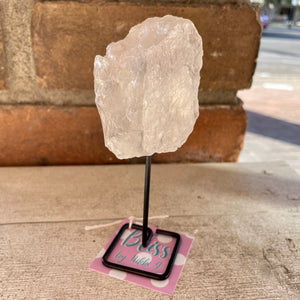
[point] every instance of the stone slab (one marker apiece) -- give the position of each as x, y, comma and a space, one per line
66, 193
232, 257
43, 135
66, 36
246, 229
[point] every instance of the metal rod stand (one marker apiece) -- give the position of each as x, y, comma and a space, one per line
146, 200
147, 235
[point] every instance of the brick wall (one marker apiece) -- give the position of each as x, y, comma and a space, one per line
47, 49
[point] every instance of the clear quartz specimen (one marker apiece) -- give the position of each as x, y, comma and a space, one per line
146, 87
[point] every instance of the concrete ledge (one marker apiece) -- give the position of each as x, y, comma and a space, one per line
50, 135
244, 217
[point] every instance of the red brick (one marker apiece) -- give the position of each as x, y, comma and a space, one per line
218, 136
66, 36
41, 135
48, 135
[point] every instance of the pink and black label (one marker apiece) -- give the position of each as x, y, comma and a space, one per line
129, 252
154, 258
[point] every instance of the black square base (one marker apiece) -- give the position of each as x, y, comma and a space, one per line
157, 276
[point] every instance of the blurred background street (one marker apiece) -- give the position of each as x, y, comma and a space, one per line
279, 59
273, 102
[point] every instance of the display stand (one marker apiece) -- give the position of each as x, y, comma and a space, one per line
147, 235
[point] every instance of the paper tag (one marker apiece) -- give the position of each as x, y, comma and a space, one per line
154, 258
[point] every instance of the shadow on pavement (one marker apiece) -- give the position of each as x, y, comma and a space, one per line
280, 35
283, 53
283, 35
273, 128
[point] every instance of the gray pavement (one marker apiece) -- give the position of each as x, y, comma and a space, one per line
273, 102
279, 59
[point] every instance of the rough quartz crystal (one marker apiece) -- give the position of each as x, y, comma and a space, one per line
146, 87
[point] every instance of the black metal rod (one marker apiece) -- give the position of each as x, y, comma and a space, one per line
146, 199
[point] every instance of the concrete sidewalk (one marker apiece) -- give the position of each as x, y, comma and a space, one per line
273, 132
244, 217
273, 102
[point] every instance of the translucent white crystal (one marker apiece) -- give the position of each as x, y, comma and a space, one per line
147, 87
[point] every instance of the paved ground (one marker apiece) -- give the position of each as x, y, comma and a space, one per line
279, 59
244, 217
273, 102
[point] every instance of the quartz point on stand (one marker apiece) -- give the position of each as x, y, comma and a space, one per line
146, 87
